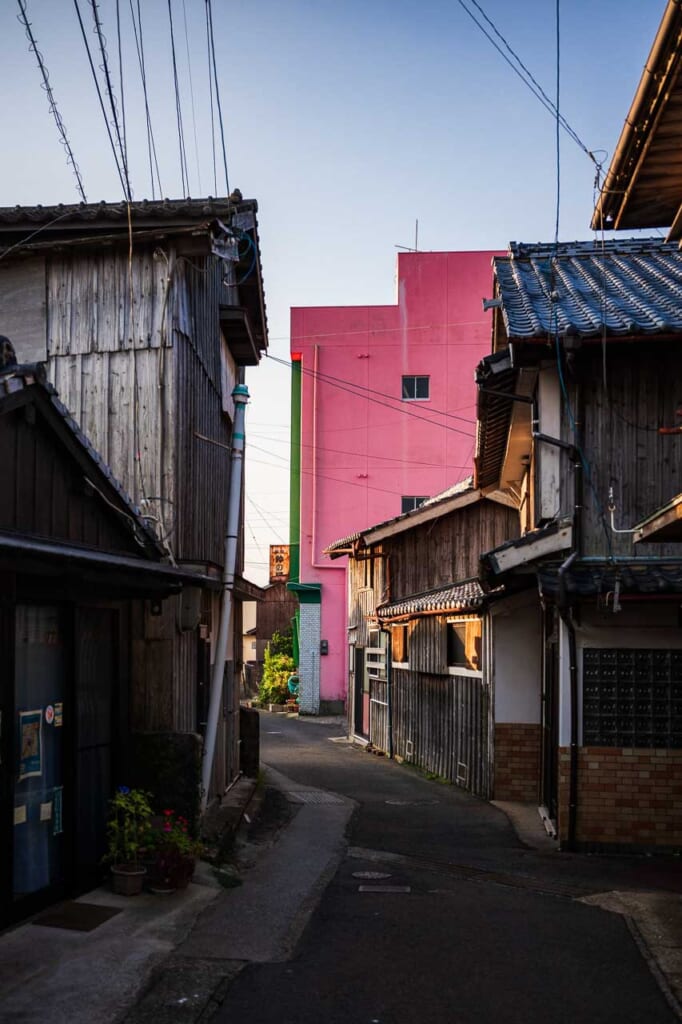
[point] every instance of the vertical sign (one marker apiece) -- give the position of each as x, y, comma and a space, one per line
279, 562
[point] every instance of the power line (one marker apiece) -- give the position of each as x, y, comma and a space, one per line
120, 80
210, 94
384, 330
340, 384
178, 108
209, 10
110, 92
191, 94
522, 72
366, 455
151, 144
52, 103
274, 531
101, 100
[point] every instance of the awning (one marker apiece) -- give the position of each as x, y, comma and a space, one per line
665, 524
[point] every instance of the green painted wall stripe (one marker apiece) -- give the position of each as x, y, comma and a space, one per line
295, 476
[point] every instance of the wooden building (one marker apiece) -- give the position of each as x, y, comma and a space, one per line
76, 562
421, 680
146, 317
577, 424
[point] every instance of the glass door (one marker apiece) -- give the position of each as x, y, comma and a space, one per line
38, 853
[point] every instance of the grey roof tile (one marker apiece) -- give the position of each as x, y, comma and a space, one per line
465, 596
578, 288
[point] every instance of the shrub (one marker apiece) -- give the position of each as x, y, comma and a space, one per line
278, 665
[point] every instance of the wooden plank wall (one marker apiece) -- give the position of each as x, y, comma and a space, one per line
441, 724
447, 549
114, 369
202, 467
275, 611
622, 443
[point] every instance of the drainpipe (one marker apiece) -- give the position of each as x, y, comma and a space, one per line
240, 396
564, 612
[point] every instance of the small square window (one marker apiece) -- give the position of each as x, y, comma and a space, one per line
409, 502
464, 644
415, 389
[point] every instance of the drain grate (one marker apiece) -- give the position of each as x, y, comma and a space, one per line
371, 874
314, 796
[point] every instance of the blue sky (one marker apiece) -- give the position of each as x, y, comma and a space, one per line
347, 121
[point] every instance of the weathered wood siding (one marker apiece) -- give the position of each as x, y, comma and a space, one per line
23, 307
275, 611
442, 724
112, 363
622, 443
448, 549
43, 490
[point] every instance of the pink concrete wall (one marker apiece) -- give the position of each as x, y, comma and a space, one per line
362, 447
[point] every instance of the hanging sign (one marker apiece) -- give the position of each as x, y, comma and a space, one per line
58, 714
30, 744
279, 562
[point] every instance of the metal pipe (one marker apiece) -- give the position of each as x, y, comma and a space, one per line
564, 612
240, 395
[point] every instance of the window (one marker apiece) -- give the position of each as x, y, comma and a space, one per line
415, 389
400, 644
464, 644
409, 502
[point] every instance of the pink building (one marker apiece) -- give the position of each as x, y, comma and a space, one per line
385, 399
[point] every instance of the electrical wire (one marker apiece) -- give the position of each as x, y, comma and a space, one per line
112, 100
339, 383
209, 10
178, 108
339, 451
210, 95
151, 144
120, 80
554, 320
275, 532
522, 72
384, 330
27, 239
191, 94
101, 100
52, 103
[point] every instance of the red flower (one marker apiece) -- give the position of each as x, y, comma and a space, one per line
168, 813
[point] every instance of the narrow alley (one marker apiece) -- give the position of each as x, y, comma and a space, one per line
438, 913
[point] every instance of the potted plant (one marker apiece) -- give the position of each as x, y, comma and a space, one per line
173, 852
127, 833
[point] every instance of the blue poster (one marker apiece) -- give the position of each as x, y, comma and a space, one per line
30, 744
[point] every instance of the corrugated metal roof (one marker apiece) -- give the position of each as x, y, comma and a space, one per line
465, 596
632, 287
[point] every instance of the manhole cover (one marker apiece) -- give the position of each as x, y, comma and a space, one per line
371, 874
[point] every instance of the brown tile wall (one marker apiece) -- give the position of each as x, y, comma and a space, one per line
517, 762
630, 797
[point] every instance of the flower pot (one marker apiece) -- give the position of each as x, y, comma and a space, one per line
127, 879
172, 870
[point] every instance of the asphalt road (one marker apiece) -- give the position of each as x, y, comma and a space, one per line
488, 933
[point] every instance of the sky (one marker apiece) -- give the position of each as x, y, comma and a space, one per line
347, 121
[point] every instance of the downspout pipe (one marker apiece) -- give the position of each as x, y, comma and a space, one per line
240, 396
564, 612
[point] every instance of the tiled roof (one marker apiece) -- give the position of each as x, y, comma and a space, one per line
630, 287
20, 377
456, 597
187, 210
602, 578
